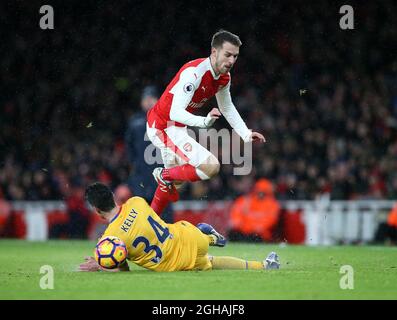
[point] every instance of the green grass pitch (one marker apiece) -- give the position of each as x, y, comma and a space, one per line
307, 273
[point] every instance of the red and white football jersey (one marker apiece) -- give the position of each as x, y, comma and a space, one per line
194, 84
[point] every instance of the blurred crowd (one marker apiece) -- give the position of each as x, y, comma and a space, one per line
325, 98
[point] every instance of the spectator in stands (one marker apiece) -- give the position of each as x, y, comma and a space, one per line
122, 194
254, 216
141, 181
79, 216
5, 212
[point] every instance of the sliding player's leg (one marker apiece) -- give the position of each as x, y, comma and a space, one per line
216, 239
207, 237
232, 263
206, 262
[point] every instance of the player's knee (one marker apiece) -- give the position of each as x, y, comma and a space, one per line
214, 170
179, 184
211, 167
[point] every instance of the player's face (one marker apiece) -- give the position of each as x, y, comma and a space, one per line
226, 57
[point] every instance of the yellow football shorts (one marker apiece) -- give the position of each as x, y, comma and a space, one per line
193, 235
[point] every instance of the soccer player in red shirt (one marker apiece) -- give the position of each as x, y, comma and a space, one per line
195, 83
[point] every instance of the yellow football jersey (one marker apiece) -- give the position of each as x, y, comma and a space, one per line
151, 242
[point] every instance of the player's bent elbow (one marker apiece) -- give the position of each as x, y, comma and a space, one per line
174, 117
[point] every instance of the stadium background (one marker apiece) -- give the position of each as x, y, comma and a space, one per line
340, 136
325, 98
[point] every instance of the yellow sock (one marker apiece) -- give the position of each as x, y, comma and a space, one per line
211, 239
235, 263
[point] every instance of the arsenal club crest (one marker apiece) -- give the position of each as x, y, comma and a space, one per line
187, 147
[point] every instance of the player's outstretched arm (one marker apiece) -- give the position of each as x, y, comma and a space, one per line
90, 265
232, 116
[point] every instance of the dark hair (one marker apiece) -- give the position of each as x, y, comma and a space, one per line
224, 36
100, 196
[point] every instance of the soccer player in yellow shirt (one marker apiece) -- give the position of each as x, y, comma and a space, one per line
158, 246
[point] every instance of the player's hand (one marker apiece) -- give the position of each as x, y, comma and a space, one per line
90, 264
256, 136
215, 113
211, 117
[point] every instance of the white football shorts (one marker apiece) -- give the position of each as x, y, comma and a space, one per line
177, 147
